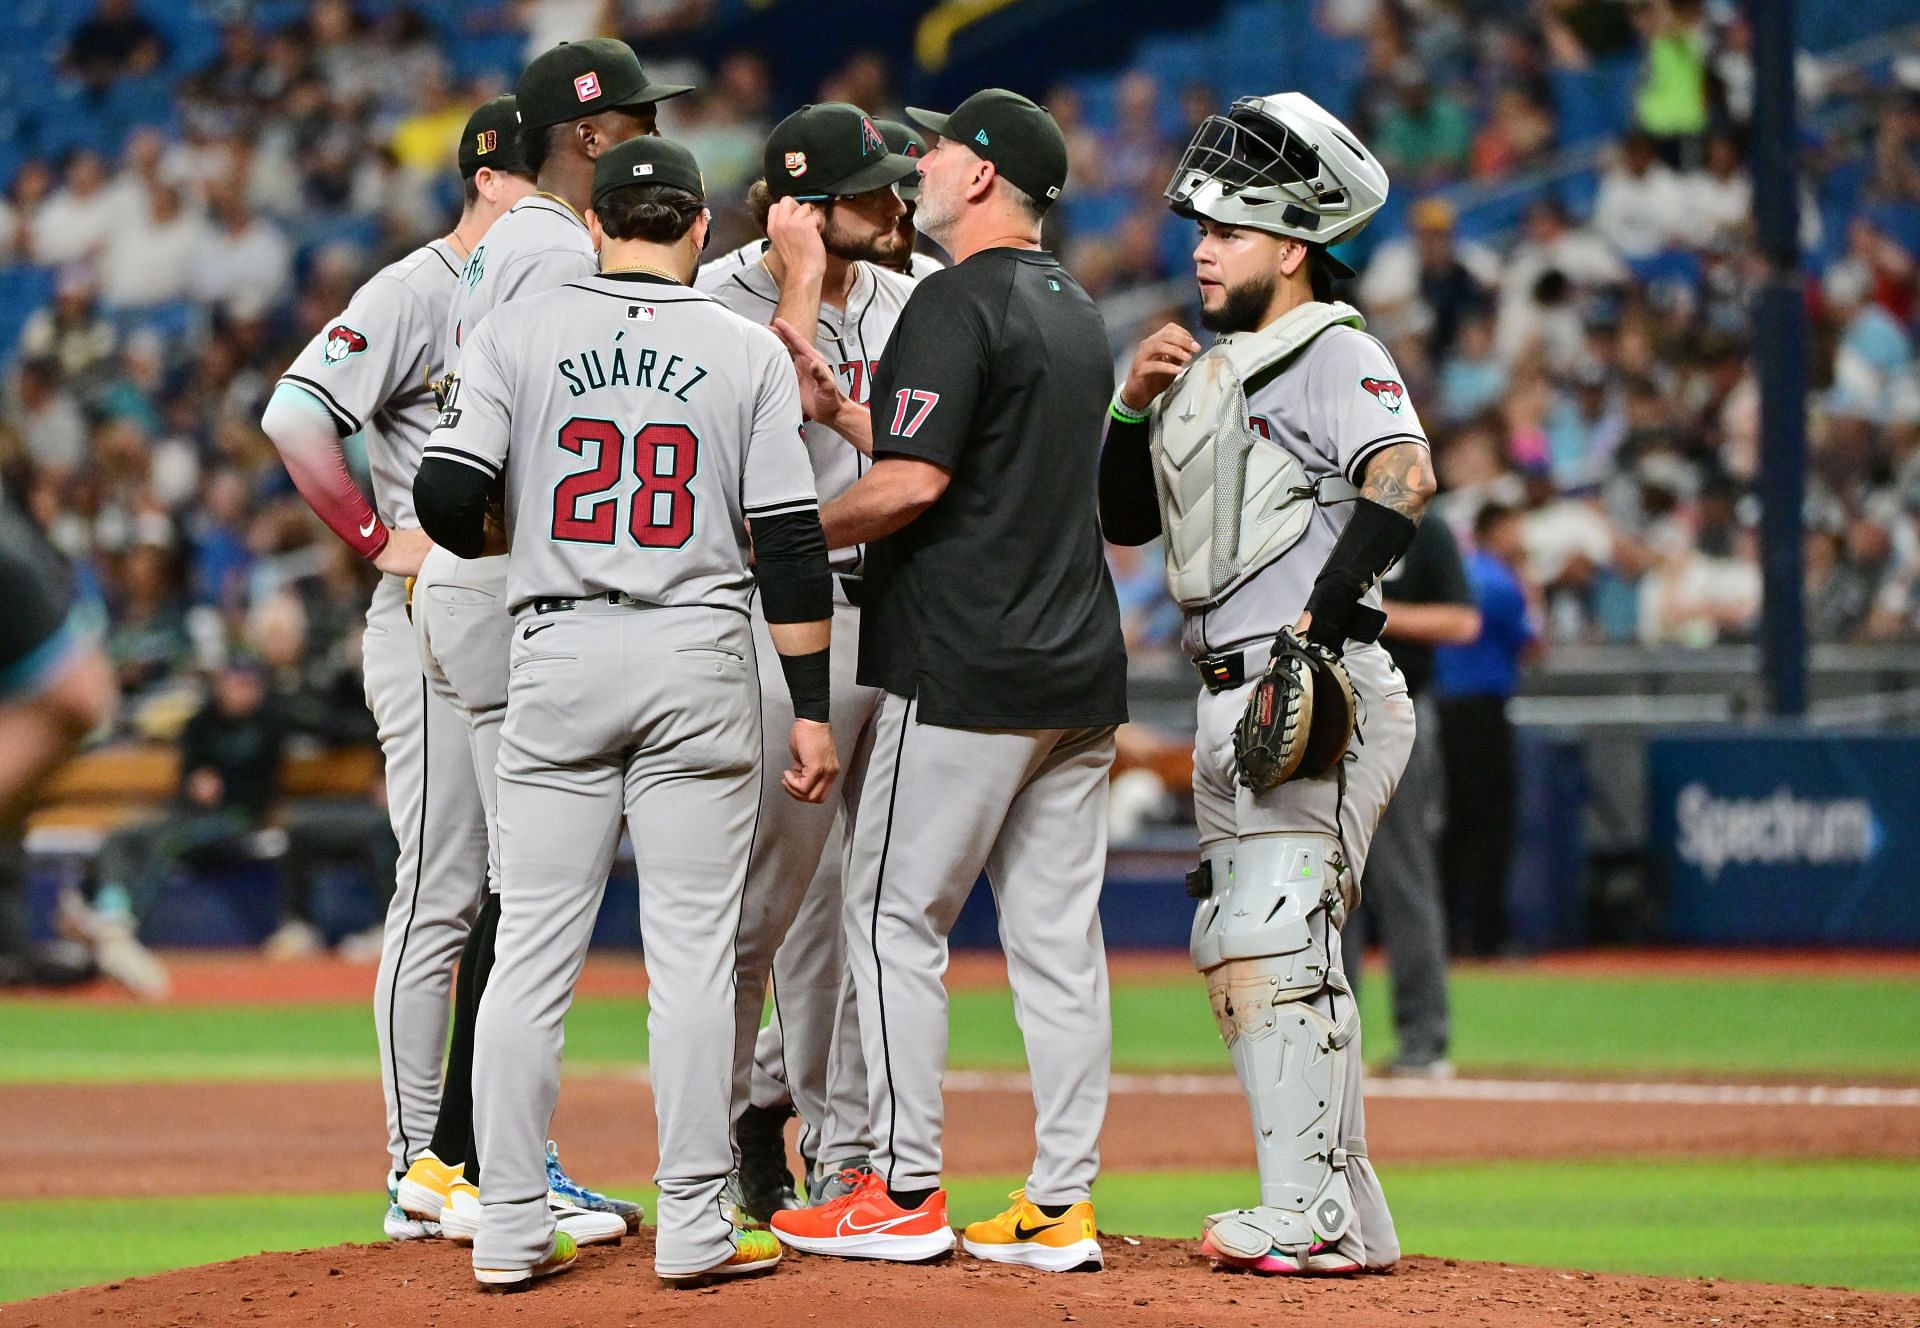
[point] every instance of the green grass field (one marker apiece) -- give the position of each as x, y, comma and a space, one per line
1532, 1022
1842, 1222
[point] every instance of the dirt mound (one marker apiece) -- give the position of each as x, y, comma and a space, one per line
1147, 1284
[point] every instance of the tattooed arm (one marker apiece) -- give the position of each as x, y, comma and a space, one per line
1399, 481
1401, 478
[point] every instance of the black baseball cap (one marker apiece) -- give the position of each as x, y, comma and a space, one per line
831, 150
1019, 137
647, 160
492, 138
576, 79
905, 140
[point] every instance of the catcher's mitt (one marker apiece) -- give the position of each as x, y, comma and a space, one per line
1299, 719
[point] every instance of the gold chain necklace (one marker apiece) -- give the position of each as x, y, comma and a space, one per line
641, 267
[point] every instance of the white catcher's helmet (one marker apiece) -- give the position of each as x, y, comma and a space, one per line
1279, 163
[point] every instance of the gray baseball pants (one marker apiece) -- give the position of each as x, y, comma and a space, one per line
440, 823
790, 921
1029, 806
651, 715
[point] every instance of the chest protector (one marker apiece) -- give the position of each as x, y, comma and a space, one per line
1231, 501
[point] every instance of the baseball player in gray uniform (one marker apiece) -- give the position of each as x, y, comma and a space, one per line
831, 214
1286, 469
639, 427
574, 102
374, 368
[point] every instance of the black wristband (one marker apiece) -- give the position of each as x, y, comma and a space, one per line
810, 684
1374, 538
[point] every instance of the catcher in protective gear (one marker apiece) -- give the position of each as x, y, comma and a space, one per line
1285, 808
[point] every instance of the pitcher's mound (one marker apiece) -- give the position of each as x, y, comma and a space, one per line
1147, 1284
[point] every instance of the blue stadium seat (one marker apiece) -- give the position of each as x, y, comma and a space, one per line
1594, 103
23, 290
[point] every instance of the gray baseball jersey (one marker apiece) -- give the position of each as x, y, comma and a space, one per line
375, 366
539, 244
647, 423
1333, 406
851, 338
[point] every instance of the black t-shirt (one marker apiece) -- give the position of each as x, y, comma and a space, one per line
994, 606
1431, 572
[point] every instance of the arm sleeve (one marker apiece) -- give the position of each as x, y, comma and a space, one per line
303, 431
777, 476
466, 454
790, 559
1358, 402
932, 374
1129, 500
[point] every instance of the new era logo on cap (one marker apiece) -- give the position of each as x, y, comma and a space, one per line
587, 86
981, 139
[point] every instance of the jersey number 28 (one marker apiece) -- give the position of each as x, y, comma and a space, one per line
586, 504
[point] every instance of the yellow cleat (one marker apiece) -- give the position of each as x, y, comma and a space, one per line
1027, 1237
423, 1191
560, 1257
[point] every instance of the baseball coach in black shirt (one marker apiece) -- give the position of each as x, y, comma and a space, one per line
990, 623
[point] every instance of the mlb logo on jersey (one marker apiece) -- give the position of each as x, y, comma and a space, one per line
587, 86
486, 141
870, 140
639, 313
796, 164
1387, 392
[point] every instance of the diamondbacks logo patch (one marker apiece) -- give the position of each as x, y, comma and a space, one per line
1387, 392
587, 86
342, 341
870, 140
796, 164
486, 141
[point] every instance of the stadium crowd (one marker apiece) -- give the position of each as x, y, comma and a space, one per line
1591, 370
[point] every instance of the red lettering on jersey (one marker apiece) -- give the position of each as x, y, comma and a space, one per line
1258, 423
856, 377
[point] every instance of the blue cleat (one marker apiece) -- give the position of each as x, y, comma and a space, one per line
565, 1187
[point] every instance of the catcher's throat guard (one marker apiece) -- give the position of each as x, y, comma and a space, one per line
1230, 501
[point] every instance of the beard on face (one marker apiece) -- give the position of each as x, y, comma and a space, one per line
881, 247
932, 215
1243, 308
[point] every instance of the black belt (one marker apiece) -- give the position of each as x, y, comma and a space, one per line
850, 586
559, 605
1225, 670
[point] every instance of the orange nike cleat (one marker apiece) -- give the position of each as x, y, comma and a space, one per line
866, 1223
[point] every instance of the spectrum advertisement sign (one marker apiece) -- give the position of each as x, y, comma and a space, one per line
1788, 838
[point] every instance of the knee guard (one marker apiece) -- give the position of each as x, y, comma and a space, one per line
1260, 935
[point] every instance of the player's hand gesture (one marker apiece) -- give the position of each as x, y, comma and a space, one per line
794, 229
1156, 363
815, 763
405, 550
820, 394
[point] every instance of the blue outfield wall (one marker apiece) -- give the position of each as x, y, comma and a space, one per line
1787, 837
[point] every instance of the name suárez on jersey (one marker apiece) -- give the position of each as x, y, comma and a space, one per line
587, 370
